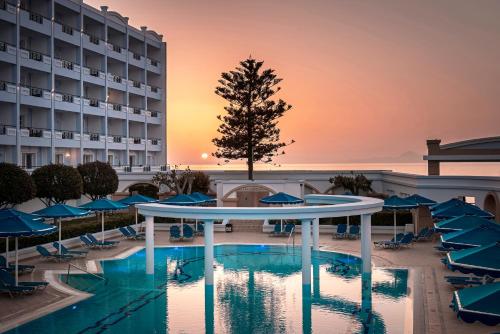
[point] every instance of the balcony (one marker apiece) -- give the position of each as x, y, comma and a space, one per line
153, 66
94, 43
67, 33
117, 142
8, 92
117, 111
8, 134
136, 59
93, 106
136, 87
117, 52
67, 69
8, 52
34, 96
67, 102
7, 12
35, 136
153, 117
136, 144
94, 76
94, 140
117, 82
154, 92
154, 144
136, 114
67, 138
35, 22
35, 60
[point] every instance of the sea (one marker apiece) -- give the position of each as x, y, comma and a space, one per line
418, 168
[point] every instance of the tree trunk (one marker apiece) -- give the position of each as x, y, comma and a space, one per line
250, 134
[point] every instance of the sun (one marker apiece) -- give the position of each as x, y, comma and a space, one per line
204, 156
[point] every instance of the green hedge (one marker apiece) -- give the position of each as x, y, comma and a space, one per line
378, 219
75, 228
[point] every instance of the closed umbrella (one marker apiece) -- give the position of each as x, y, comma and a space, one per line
137, 199
484, 260
59, 211
13, 224
102, 205
460, 223
395, 203
460, 209
474, 237
281, 198
182, 200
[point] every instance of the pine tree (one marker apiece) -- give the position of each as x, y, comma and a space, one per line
250, 130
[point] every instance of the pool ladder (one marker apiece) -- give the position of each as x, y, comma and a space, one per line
84, 270
291, 236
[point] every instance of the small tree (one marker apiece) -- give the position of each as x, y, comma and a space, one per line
250, 128
354, 184
57, 183
182, 181
16, 186
198, 182
99, 179
145, 189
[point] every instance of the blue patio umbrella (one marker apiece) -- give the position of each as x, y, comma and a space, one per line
480, 261
474, 237
460, 209
15, 224
395, 203
446, 204
59, 211
102, 205
420, 200
281, 198
460, 223
137, 199
182, 200
478, 304
202, 197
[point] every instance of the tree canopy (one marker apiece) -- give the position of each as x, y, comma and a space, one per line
250, 130
99, 179
57, 183
183, 181
354, 184
16, 185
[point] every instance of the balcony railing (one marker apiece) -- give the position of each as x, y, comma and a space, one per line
117, 139
155, 89
93, 102
116, 78
136, 56
3, 46
5, 129
154, 62
35, 91
137, 111
94, 72
154, 113
155, 141
136, 84
35, 132
117, 107
94, 136
137, 140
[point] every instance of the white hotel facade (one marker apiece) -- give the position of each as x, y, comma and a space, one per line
78, 84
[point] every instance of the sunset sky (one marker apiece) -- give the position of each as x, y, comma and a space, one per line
365, 78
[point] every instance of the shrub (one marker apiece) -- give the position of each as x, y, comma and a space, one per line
99, 179
145, 189
57, 183
16, 186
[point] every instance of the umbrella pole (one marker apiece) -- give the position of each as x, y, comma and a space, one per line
136, 226
394, 225
182, 227
17, 262
102, 223
196, 225
347, 224
7, 250
60, 252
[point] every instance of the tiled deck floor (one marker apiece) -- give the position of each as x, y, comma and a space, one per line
432, 294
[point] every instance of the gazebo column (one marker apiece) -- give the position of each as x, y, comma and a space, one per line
366, 242
150, 245
306, 251
316, 234
209, 252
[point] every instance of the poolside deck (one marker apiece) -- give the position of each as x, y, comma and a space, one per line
431, 294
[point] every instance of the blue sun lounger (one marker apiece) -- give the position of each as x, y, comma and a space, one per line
341, 231
129, 235
64, 250
175, 233
8, 285
383, 243
134, 232
276, 231
22, 268
405, 241
109, 243
353, 232
187, 233
55, 257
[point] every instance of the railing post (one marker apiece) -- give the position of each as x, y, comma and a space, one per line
316, 234
150, 246
306, 251
366, 242
209, 252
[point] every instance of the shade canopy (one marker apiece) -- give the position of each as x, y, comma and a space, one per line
103, 204
13, 212
397, 203
478, 304
181, 199
16, 224
137, 199
420, 200
281, 198
202, 197
484, 260
460, 209
61, 211
446, 204
479, 236
460, 223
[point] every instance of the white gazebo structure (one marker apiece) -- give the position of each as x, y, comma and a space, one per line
317, 206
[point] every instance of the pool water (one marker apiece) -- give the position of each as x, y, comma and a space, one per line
257, 289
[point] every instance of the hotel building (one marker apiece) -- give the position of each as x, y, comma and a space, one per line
78, 84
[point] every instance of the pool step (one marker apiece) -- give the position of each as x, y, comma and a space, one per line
247, 225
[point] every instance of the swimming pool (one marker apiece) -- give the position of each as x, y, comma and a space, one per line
257, 289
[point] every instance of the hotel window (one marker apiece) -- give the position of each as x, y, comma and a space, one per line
88, 158
28, 160
59, 159
110, 159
